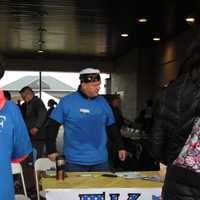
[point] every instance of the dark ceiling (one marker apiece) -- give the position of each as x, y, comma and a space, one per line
88, 28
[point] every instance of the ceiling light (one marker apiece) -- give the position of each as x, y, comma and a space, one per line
142, 20
40, 51
156, 39
190, 19
124, 34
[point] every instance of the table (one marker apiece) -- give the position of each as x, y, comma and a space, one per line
94, 186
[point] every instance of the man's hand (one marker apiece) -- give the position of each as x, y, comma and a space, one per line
122, 155
33, 131
53, 156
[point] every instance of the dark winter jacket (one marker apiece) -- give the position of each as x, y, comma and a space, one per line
181, 184
174, 118
173, 121
36, 116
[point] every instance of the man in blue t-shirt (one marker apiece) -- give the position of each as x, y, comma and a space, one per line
87, 118
14, 143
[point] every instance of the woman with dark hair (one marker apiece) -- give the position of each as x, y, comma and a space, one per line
145, 118
115, 104
51, 104
174, 119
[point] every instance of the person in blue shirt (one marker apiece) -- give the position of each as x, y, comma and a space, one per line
14, 143
87, 118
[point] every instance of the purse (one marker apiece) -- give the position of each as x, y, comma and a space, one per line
189, 157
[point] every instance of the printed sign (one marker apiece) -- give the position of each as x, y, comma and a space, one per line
104, 194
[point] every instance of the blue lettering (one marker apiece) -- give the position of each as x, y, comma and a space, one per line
114, 196
92, 196
133, 196
154, 197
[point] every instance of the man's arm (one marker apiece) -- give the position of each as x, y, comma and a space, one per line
115, 136
21, 141
42, 113
52, 132
18, 160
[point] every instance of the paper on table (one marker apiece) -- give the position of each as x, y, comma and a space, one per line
129, 175
154, 178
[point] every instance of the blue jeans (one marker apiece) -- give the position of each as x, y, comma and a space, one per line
102, 167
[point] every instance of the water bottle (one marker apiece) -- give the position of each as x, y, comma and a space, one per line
60, 167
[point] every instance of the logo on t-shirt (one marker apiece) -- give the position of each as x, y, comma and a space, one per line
84, 110
2, 120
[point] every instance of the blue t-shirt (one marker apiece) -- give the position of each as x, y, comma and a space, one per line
14, 143
85, 122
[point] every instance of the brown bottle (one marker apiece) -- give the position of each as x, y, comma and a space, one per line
60, 167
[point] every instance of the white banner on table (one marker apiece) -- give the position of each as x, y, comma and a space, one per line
104, 194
